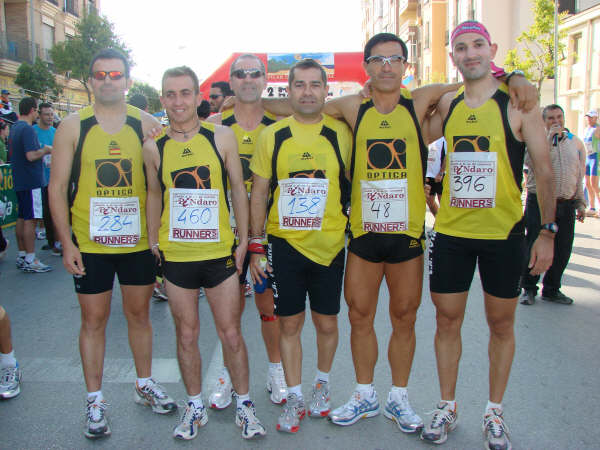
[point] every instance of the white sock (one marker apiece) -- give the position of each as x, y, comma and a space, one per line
196, 400
21, 254
365, 389
296, 390
491, 405
7, 360
322, 376
241, 398
29, 258
273, 367
97, 394
141, 382
451, 403
399, 392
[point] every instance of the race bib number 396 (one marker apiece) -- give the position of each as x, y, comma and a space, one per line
302, 203
384, 205
115, 222
194, 215
473, 179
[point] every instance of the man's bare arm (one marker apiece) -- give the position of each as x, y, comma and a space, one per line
34, 155
65, 141
215, 118
432, 126
153, 196
258, 213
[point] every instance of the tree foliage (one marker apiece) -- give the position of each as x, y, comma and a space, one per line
147, 91
74, 56
535, 54
37, 79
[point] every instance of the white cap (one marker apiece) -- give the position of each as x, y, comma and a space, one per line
592, 113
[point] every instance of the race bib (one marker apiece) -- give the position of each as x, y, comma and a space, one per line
473, 179
47, 160
302, 203
384, 205
115, 222
194, 215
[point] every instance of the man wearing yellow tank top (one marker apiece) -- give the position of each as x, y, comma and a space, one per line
98, 189
247, 119
188, 219
387, 221
480, 222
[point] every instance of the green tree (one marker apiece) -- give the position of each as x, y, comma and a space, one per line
147, 91
37, 79
74, 56
535, 55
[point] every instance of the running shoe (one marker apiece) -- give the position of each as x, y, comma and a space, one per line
527, 297
319, 405
201, 292
220, 397
192, 418
154, 395
245, 418
293, 412
96, 422
20, 262
35, 267
591, 213
56, 251
557, 297
248, 291
359, 406
40, 235
10, 381
443, 420
159, 292
276, 385
402, 413
3, 252
495, 431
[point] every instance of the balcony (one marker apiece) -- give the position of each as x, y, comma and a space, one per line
405, 6
19, 50
72, 7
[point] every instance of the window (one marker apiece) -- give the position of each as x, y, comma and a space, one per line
427, 35
47, 40
595, 66
576, 66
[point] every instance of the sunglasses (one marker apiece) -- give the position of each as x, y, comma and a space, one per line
381, 60
243, 73
100, 75
215, 96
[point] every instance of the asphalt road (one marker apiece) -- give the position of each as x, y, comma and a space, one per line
550, 402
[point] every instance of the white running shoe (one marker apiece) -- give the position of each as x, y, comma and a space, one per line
495, 431
10, 381
191, 419
220, 397
35, 267
443, 421
276, 385
400, 411
358, 407
154, 395
319, 405
96, 422
245, 418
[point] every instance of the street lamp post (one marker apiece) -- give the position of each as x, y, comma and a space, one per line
555, 52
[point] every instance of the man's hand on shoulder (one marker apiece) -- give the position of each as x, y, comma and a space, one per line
523, 94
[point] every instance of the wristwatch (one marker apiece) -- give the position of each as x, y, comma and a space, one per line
552, 227
514, 72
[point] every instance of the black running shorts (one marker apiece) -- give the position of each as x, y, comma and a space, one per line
388, 248
294, 275
452, 263
197, 274
135, 269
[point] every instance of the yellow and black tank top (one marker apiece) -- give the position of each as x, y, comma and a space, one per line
193, 165
246, 140
482, 189
388, 148
107, 166
290, 150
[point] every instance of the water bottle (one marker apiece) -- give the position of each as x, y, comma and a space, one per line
260, 287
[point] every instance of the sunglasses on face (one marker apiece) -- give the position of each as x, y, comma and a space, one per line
379, 60
243, 73
100, 75
215, 96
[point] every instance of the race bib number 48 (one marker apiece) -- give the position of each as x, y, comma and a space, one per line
302, 203
194, 215
115, 222
384, 205
473, 179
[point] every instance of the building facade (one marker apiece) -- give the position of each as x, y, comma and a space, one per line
28, 30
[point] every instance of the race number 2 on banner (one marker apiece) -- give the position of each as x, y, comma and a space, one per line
384, 205
473, 179
194, 215
115, 222
302, 203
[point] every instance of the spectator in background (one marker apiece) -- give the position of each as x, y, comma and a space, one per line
6, 111
436, 166
45, 133
139, 101
4, 130
218, 91
203, 110
26, 156
591, 139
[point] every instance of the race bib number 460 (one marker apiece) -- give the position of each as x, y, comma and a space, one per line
115, 222
302, 203
473, 179
194, 215
384, 205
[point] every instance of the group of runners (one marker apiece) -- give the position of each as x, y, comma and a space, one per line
308, 166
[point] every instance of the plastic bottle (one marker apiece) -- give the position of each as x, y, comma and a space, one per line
260, 287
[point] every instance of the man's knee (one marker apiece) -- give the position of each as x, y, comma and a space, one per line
327, 327
502, 327
289, 327
232, 339
187, 335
